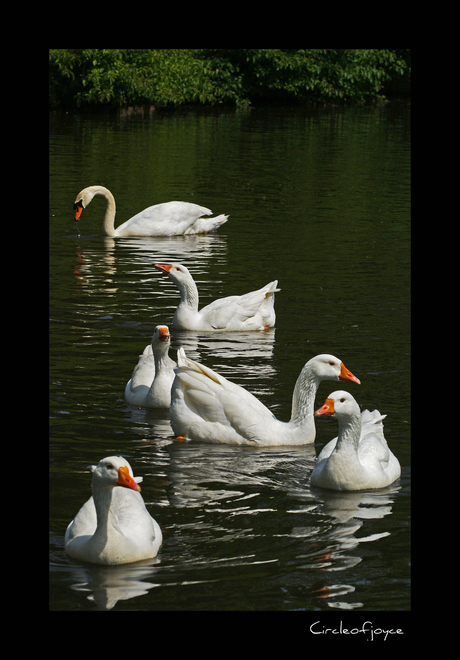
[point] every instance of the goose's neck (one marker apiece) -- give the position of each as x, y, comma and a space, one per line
189, 295
349, 434
161, 357
108, 228
303, 399
104, 512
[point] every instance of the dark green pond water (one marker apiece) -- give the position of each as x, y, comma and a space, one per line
318, 199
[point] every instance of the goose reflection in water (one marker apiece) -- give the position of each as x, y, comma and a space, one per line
255, 505
334, 547
243, 357
202, 475
106, 585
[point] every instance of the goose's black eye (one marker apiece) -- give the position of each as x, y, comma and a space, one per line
342, 400
331, 363
109, 466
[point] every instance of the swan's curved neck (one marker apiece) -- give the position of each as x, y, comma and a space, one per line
108, 228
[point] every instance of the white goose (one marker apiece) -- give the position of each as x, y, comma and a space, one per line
150, 383
360, 457
251, 311
206, 406
113, 526
167, 219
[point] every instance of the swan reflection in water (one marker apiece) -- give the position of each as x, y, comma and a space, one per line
98, 259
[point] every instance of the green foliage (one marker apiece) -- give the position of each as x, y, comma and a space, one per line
164, 77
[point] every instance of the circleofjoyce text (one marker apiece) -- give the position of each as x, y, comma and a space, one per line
366, 629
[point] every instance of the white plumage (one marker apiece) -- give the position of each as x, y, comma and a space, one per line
251, 311
206, 406
113, 526
166, 219
153, 375
359, 458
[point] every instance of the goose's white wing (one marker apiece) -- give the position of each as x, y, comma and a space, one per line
237, 310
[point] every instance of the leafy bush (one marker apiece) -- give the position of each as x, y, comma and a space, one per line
118, 77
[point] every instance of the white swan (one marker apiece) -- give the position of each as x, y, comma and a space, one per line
167, 219
113, 526
360, 457
206, 406
251, 311
150, 383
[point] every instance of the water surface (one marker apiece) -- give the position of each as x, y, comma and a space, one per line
319, 200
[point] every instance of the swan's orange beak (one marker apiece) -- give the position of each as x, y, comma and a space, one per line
326, 409
126, 480
164, 267
347, 375
78, 212
164, 334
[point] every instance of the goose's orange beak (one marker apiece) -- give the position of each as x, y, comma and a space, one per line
126, 480
326, 409
347, 375
164, 267
164, 334
78, 212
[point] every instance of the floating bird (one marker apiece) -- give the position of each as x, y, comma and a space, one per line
113, 526
251, 311
153, 375
167, 219
206, 406
360, 457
